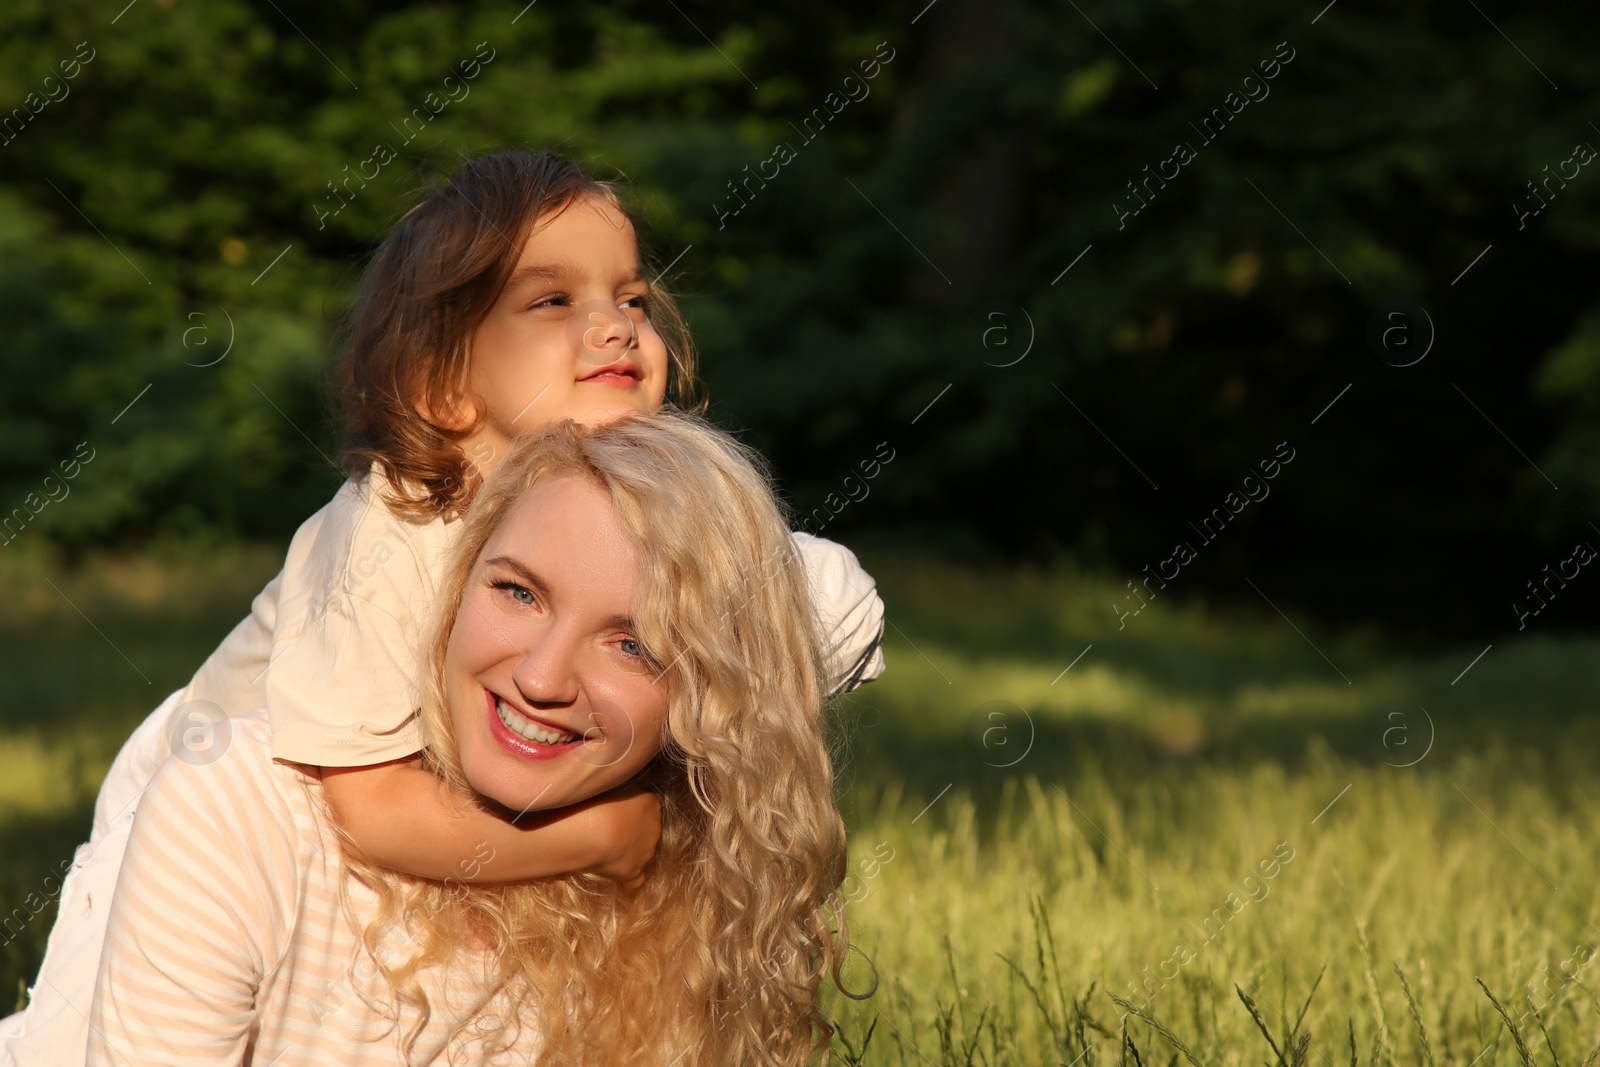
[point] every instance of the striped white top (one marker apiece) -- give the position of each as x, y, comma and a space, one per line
228, 943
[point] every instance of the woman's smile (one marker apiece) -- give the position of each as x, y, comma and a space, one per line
526, 737
555, 698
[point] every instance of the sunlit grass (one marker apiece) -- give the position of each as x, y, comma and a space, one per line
1402, 858
1169, 762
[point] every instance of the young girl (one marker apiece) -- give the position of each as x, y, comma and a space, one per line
513, 296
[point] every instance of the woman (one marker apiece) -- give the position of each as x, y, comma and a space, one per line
625, 607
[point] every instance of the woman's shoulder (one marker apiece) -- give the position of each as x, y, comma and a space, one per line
217, 882
205, 742
221, 781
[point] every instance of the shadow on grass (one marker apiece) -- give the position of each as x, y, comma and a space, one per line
38, 850
1528, 709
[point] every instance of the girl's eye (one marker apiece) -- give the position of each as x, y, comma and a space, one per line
641, 302
553, 300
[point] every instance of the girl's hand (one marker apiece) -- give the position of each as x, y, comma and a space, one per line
624, 827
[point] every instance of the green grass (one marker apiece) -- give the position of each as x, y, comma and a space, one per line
1166, 765
1028, 844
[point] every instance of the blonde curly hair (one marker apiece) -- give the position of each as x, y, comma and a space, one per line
719, 958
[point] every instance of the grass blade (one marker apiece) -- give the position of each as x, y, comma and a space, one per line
1516, 1034
1297, 1055
1539, 1019
855, 1057
1057, 1032
1261, 1024
1298, 1019
1416, 1016
1128, 1047
1372, 977
1172, 1039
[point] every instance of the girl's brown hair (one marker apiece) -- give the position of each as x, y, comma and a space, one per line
422, 297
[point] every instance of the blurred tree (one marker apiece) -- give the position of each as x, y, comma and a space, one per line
195, 186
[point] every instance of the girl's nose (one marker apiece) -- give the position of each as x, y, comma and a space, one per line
600, 332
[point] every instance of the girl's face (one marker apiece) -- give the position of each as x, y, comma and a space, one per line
552, 698
569, 336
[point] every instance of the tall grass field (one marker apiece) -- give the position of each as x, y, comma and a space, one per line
1193, 835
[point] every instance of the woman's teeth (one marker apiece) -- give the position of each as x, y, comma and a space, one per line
527, 730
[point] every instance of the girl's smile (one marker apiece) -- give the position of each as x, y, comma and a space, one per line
622, 373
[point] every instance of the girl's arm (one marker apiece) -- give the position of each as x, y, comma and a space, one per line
406, 819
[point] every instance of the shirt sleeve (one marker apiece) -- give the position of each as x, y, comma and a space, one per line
202, 910
849, 612
341, 685
233, 676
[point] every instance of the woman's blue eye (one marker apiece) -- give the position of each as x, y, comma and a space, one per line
521, 594
632, 647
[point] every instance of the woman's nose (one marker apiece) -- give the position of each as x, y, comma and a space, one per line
600, 332
546, 673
